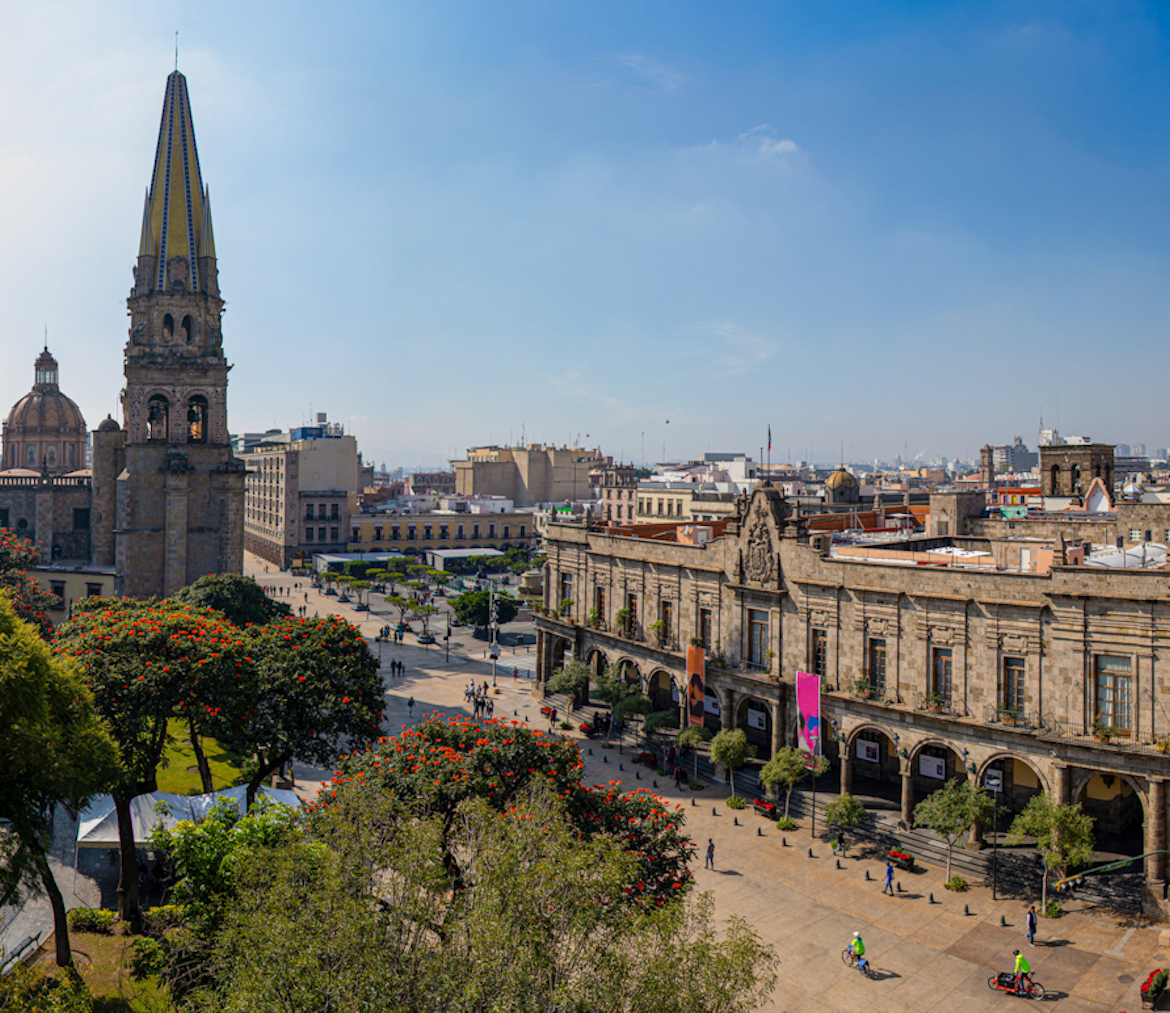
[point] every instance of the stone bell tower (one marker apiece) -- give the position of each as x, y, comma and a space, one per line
179, 499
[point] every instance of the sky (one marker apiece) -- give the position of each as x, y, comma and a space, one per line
658, 228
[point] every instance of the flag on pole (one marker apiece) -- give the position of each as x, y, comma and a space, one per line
769, 438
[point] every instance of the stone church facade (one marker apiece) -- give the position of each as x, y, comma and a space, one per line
164, 502
1058, 681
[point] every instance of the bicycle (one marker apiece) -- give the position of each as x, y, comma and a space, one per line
1006, 982
850, 959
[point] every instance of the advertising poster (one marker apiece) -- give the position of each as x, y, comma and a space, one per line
757, 719
695, 661
868, 751
808, 705
932, 766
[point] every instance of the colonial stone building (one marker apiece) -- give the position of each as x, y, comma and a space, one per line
1059, 680
169, 494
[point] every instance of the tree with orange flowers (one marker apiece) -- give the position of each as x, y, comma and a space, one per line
146, 661
30, 601
309, 688
435, 766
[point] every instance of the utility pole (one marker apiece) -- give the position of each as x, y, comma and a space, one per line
493, 627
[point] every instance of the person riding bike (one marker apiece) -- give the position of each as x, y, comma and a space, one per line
1023, 970
858, 948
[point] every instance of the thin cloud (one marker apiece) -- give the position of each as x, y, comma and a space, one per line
657, 75
733, 348
764, 142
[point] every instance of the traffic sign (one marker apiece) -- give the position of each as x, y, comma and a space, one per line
993, 780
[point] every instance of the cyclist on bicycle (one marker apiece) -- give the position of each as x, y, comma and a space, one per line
1023, 970
858, 948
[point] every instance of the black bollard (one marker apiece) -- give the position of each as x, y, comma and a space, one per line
783, 842
621, 766
637, 775
838, 863
693, 803
966, 910
735, 820
810, 854
1002, 922
713, 813
590, 750
656, 782
759, 832
867, 875
604, 758
931, 900
899, 886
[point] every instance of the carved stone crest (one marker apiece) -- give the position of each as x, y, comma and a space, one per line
760, 561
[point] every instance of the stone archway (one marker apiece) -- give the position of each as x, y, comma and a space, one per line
597, 662
933, 762
1118, 805
1021, 780
869, 764
561, 651
659, 689
629, 671
754, 716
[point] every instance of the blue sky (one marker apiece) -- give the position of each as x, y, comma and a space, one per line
907, 227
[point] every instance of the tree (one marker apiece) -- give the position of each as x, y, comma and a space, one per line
845, 812
30, 601
659, 725
403, 605
612, 689
952, 810
573, 681
690, 738
436, 765
359, 586
1064, 835
473, 608
789, 766
730, 747
54, 750
146, 661
310, 686
548, 920
636, 704
241, 600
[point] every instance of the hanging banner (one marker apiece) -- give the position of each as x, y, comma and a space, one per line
868, 751
808, 706
932, 766
695, 694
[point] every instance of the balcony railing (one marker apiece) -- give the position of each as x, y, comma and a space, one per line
1012, 717
935, 703
1120, 739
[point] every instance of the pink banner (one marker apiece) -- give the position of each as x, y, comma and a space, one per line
808, 705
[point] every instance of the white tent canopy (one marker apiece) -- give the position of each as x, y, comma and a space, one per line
98, 825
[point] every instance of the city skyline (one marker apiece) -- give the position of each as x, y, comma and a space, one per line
862, 224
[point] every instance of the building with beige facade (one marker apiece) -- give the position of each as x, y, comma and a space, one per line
1057, 678
301, 491
444, 529
529, 475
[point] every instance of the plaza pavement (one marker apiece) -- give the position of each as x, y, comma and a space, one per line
927, 956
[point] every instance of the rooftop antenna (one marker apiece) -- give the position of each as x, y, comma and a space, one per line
176, 50
46, 337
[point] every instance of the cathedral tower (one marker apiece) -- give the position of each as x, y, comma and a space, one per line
178, 505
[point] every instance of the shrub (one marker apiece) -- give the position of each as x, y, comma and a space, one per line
735, 802
1053, 910
146, 958
956, 883
158, 919
91, 919
695, 786
567, 726
786, 823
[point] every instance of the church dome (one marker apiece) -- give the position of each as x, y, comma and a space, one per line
45, 429
108, 425
842, 479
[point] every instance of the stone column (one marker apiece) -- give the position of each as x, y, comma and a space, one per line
777, 710
726, 707
1156, 839
846, 768
907, 797
1060, 783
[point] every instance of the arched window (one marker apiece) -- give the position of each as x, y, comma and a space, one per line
30, 455
157, 417
1055, 480
168, 327
72, 457
51, 457
186, 329
1075, 475
197, 419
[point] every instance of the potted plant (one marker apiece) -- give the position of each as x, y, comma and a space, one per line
594, 617
566, 606
934, 703
623, 620
862, 687
1101, 731
902, 859
658, 629
1011, 716
1153, 987
1164, 746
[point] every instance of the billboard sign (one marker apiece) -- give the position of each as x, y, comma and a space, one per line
695, 690
808, 705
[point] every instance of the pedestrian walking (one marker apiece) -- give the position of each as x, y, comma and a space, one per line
1031, 920
410, 707
840, 848
677, 777
515, 673
709, 861
889, 887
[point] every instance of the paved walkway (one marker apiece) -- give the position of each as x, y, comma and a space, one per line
928, 956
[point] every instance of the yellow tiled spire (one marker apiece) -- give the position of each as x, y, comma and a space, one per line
177, 220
